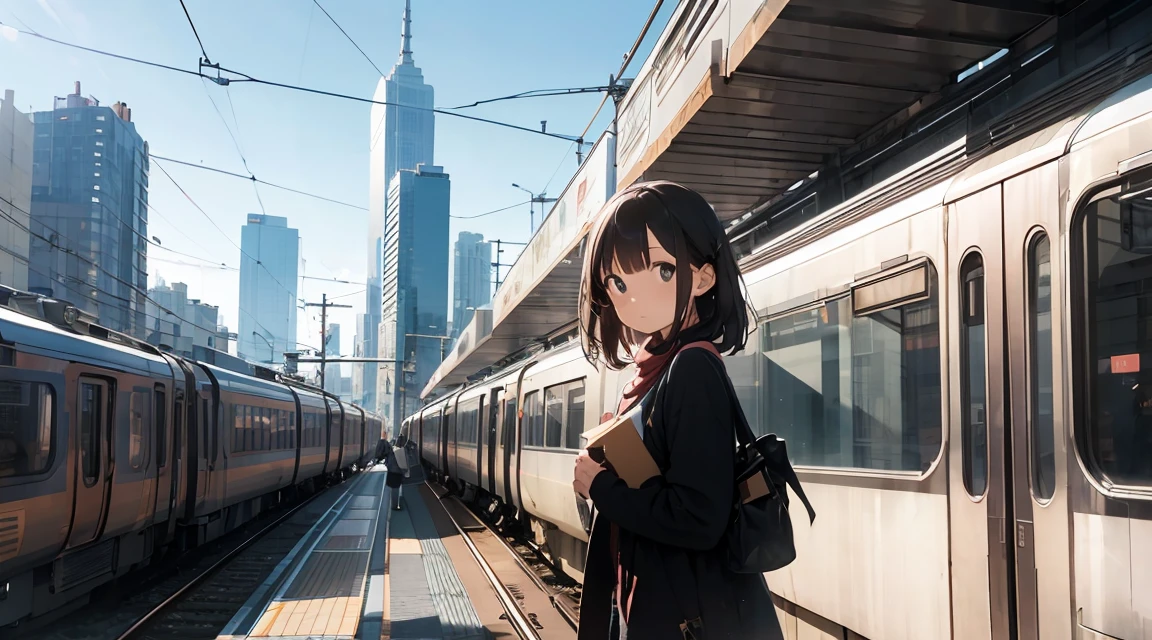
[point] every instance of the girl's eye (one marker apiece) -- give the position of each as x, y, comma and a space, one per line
666, 272
617, 284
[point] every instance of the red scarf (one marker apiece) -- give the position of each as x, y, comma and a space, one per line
649, 369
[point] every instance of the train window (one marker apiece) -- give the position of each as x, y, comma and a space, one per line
553, 415
533, 422
92, 414
161, 428
974, 372
26, 428
137, 407
510, 422
1118, 296
574, 418
1040, 347
856, 390
237, 428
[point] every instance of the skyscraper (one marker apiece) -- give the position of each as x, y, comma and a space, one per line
90, 203
472, 281
180, 323
16, 133
402, 137
267, 289
332, 349
415, 287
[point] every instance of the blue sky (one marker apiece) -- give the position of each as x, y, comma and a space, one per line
467, 50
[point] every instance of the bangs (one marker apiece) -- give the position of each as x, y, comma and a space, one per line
624, 241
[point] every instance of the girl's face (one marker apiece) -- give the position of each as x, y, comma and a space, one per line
645, 301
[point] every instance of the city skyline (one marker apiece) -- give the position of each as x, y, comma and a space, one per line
200, 219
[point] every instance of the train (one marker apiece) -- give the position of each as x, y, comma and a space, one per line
114, 452
955, 358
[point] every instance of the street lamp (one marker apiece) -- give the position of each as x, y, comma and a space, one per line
531, 210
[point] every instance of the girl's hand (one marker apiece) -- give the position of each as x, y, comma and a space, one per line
586, 471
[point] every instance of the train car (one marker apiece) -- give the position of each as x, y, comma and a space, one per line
83, 434
954, 358
312, 452
112, 451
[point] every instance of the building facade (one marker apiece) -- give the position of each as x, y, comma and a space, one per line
90, 211
415, 320
267, 289
181, 324
402, 136
332, 349
16, 135
472, 278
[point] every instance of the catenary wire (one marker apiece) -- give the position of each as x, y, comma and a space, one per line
317, 2
194, 32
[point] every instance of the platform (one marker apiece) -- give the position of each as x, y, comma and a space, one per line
366, 571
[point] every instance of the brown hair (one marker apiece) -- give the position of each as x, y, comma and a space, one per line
687, 227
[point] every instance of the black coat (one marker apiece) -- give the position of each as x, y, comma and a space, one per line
674, 523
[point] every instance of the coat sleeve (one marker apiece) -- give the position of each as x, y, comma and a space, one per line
689, 505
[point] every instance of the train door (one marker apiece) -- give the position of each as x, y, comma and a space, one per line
448, 439
495, 413
1009, 529
93, 411
511, 473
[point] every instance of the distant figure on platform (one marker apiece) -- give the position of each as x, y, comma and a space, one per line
395, 477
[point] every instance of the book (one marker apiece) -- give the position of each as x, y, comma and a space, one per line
619, 445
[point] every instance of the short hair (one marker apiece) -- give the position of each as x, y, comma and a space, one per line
686, 226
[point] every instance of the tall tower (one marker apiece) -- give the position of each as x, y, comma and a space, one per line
402, 134
268, 271
89, 215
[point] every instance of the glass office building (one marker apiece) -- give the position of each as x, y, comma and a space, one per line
414, 327
268, 289
89, 215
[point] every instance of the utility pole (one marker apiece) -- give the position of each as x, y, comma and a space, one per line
535, 198
497, 264
324, 304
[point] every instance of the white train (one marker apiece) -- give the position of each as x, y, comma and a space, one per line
956, 359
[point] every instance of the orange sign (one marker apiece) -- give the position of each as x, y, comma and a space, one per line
1126, 364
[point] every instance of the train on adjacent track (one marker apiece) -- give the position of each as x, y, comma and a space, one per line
956, 360
113, 452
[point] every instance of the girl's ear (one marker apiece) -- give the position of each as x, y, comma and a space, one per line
703, 279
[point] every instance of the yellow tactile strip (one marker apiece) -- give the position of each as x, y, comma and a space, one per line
397, 546
311, 617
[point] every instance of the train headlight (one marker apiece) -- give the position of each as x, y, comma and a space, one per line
71, 315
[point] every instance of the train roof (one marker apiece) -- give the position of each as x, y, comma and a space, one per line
37, 335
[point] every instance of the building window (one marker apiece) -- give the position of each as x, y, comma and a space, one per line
95, 199
96, 175
96, 154
99, 143
96, 187
101, 118
99, 131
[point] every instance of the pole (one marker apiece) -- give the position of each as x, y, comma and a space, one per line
323, 339
324, 304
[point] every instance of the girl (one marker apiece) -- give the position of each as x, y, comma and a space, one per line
660, 284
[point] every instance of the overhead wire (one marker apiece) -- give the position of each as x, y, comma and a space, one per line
248, 78
255, 179
194, 32
317, 3
488, 213
226, 236
56, 245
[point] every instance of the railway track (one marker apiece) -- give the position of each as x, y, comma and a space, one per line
549, 608
206, 603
